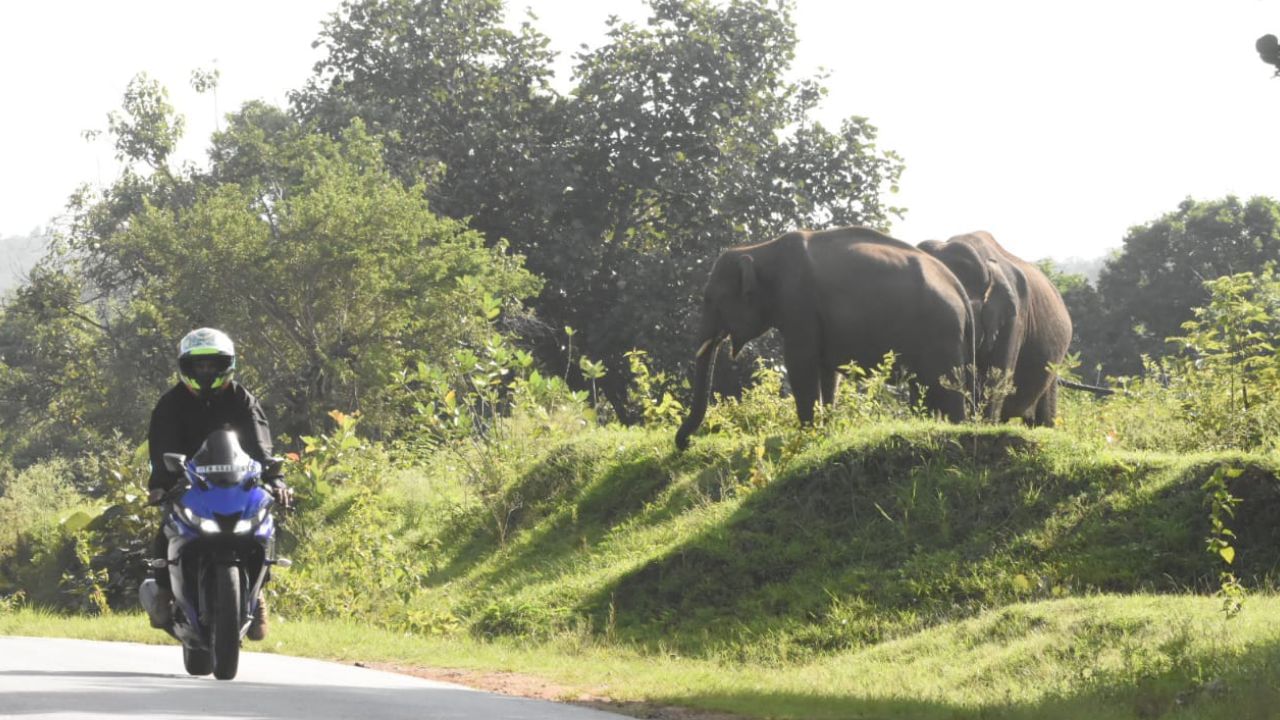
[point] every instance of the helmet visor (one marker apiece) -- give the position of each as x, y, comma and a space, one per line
205, 371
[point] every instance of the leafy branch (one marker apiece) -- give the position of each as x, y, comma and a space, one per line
1222, 505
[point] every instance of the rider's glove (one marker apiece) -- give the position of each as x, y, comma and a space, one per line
155, 496
281, 491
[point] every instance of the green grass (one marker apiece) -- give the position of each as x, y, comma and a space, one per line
1100, 657
744, 550
903, 568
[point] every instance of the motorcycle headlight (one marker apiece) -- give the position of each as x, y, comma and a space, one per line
245, 525
205, 525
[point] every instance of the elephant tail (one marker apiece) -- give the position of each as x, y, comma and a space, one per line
971, 356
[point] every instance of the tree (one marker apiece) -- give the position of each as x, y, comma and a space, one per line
330, 273
55, 387
1230, 370
1085, 306
76, 346
454, 96
1152, 285
1268, 48
679, 138
332, 270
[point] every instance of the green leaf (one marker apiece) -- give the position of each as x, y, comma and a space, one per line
77, 521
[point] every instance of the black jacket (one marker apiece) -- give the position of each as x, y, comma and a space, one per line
182, 420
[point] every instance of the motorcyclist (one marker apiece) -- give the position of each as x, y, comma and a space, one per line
206, 399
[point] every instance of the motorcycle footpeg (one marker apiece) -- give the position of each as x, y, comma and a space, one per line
157, 563
281, 562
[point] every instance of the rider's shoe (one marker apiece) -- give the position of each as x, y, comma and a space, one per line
158, 602
258, 626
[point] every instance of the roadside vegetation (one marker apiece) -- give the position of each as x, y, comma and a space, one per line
879, 562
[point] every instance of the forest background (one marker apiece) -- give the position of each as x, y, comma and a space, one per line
596, 210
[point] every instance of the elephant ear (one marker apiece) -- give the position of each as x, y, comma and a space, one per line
999, 309
747, 268
933, 247
965, 262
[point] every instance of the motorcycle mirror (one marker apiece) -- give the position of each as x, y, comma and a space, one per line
173, 462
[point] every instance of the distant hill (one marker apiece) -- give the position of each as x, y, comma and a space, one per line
17, 254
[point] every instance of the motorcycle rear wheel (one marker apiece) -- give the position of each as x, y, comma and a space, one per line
226, 622
197, 662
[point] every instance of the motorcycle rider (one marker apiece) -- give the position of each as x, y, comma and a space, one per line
206, 399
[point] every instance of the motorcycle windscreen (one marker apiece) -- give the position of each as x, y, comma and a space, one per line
221, 461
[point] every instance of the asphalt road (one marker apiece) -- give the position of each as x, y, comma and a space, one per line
82, 679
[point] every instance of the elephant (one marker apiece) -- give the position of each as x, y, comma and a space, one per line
842, 295
1022, 323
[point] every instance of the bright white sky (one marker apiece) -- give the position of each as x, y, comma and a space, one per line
1055, 125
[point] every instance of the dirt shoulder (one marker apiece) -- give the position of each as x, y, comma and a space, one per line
507, 683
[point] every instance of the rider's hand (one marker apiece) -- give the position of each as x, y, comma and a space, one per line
282, 492
155, 496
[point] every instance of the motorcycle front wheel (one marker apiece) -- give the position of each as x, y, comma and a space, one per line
226, 622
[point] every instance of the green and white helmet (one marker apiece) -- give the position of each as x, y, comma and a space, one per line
206, 360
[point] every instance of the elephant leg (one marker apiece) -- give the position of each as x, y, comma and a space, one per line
948, 403
829, 380
996, 409
945, 365
1047, 406
803, 373
1000, 389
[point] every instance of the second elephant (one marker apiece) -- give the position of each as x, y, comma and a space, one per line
1022, 323
838, 296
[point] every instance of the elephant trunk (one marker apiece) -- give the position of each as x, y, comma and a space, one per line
999, 310
705, 363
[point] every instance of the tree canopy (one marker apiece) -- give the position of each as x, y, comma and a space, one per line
1150, 288
330, 273
678, 138
1268, 48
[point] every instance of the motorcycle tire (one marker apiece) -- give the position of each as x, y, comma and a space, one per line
226, 622
197, 662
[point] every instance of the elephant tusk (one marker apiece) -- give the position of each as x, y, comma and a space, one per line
706, 346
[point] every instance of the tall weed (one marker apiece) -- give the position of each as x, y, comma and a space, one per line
33, 496
492, 421
83, 551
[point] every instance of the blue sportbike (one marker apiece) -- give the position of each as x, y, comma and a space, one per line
221, 546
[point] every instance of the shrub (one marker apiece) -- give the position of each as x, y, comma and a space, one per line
32, 497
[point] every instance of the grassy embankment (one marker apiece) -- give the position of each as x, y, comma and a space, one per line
901, 570
1100, 657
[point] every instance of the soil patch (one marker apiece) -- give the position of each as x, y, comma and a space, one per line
507, 683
